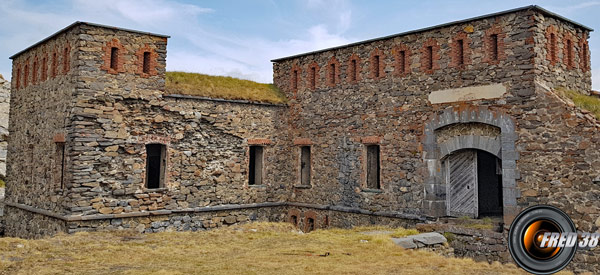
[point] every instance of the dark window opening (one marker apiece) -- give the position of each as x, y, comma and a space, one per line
54, 64
66, 60
18, 85
332, 74
35, 72
585, 58
146, 65
44, 68
60, 165
353, 69
294, 220
494, 46
26, 77
553, 47
461, 52
155, 165
305, 165
310, 224
402, 61
295, 80
313, 77
569, 53
256, 165
373, 168
376, 66
114, 57
430, 57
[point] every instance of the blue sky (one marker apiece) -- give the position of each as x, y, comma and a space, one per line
238, 38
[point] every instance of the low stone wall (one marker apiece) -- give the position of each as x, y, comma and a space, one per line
25, 224
192, 221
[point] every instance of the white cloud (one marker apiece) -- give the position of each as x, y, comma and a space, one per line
193, 46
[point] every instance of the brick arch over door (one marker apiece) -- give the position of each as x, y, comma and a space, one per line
503, 147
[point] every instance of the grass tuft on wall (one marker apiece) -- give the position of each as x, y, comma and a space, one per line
223, 87
587, 102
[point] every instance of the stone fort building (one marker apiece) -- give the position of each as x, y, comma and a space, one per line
461, 119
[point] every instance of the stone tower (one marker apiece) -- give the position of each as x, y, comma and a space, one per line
64, 105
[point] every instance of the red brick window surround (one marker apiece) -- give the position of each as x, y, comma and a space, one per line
377, 64
333, 72
295, 78
44, 67
310, 221
402, 60
66, 59
146, 61
313, 76
551, 45
18, 82
584, 54
113, 57
54, 70
34, 74
430, 56
494, 45
26, 73
353, 72
461, 51
568, 52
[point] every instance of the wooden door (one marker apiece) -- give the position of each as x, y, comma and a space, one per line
461, 184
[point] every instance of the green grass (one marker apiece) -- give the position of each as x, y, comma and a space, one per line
222, 87
587, 102
2, 183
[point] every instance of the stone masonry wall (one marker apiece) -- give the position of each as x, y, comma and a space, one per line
391, 110
4, 109
40, 103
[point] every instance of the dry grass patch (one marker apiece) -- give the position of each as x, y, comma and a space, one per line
222, 87
257, 248
587, 102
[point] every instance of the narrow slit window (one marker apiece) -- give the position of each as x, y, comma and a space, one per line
569, 53
35, 72
114, 57
332, 74
66, 60
26, 77
305, 165
44, 68
256, 165
494, 46
313, 77
553, 47
310, 224
60, 165
585, 57
54, 64
156, 163
461, 51
373, 168
376, 66
402, 61
353, 70
430, 57
294, 220
146, 65
18, 85
295, 80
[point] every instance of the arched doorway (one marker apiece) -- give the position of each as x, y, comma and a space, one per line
473, 181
